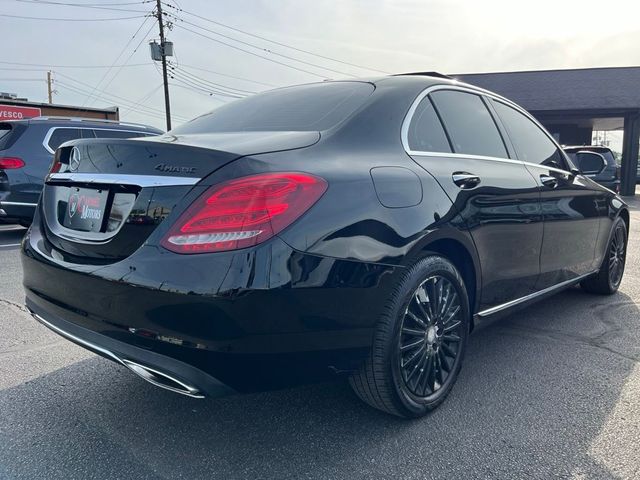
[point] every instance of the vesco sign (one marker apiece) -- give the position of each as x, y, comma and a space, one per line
11, 112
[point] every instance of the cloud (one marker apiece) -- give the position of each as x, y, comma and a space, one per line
390, 35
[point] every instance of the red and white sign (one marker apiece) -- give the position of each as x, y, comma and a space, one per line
11, 112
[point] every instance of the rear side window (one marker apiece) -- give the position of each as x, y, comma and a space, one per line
61, 135
425, 130
469, 124
531, 143
5, 135
313, 107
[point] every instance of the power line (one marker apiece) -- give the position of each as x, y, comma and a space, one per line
276, 42
70, 19
315, 65
140, 109
104, 95
195, 85
229, 76
199, 92
142, 39
76, 90
118, 58
214, 84
251, 53
21, 80
105, 6
207, 88
143, 99
47, 65
89, 4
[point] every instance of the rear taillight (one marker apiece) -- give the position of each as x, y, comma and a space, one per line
243, 212
55, 166
11, 163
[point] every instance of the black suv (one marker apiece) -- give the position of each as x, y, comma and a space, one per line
26, 153
601, 167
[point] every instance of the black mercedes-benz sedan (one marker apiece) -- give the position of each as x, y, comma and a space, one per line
359, 228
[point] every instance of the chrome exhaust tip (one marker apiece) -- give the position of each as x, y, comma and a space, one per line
161, 379
151, 375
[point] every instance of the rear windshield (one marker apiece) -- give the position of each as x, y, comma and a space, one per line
313, 107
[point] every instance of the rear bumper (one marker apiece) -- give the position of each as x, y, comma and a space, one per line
245, 321
159, 370
17, 211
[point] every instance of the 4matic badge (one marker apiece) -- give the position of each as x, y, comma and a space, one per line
164, 167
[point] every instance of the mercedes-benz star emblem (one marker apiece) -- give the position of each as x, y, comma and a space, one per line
74, 160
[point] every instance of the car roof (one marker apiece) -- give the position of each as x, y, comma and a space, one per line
428, 79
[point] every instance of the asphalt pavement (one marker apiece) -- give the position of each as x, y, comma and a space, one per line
551, 391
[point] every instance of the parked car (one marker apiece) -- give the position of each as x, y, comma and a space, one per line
601, 167
26, 153
356, 227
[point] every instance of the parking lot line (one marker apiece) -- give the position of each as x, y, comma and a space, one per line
10, 245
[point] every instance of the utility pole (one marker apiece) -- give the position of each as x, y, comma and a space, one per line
167, 106
49, 89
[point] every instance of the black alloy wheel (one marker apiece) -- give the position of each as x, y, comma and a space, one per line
419, 342
617, 252
430, 336
607, 280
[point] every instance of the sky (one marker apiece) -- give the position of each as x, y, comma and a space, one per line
348, 37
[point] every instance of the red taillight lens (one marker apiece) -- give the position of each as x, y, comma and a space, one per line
243, 212
55, 166
11, 163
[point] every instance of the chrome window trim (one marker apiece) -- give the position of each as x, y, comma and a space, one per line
404, 132
19, 204
47, 137
464, 155
498, 308
122, 179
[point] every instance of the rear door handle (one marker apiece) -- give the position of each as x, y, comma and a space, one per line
549, 181
465, 180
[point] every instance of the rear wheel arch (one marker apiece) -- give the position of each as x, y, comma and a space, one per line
624, 214
457, 254
460, 251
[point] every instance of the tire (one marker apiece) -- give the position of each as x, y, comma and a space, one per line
608, 278
392, 378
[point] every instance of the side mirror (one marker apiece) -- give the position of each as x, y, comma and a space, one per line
590, 163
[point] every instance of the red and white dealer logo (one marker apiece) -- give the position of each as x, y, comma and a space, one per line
12, 112
89, 207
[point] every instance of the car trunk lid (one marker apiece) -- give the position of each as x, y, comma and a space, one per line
104, 198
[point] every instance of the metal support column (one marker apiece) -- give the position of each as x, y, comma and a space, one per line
630, 144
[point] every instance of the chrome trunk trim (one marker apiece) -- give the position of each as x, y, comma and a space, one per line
20, 204
122, 179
